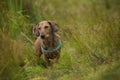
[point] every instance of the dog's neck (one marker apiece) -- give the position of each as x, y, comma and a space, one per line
49, 43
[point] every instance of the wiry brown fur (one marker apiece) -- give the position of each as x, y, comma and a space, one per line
50, 42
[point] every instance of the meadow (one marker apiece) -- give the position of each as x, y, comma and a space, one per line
89, 29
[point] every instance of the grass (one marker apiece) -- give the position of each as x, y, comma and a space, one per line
89, 31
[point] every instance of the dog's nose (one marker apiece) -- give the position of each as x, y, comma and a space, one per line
42, 36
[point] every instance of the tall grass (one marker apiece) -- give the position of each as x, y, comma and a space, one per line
89, 30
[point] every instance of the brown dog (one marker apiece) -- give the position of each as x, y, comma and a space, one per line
48, 42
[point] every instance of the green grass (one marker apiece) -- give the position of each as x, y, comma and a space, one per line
90, 32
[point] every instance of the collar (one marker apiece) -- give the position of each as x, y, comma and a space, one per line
54, 50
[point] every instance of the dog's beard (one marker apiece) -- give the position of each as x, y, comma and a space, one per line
47, 36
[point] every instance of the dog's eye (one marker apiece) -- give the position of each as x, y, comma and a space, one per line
46, 27
39, 28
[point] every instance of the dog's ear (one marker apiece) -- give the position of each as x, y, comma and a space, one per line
35, 30
54, 26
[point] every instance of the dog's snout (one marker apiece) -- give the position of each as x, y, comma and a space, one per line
42, 36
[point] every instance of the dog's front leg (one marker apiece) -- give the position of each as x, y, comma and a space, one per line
47, 61
57, 58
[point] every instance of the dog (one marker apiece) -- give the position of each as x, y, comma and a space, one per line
48, 42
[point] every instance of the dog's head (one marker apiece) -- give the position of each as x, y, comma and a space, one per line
46, 29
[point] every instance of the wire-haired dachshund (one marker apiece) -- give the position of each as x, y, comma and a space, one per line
48, 42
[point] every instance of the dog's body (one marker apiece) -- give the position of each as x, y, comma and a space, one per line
48, 40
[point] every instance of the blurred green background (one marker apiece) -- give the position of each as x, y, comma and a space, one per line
90, 31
